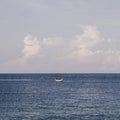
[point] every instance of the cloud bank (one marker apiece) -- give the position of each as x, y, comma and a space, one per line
85, 53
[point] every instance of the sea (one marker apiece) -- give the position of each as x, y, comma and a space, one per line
78, 97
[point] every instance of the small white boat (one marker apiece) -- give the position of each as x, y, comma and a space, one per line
59, 79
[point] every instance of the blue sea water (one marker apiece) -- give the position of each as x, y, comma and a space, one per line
78, 97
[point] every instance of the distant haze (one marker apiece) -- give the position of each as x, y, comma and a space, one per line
50, 36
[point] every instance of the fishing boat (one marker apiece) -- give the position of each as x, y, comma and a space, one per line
59, 79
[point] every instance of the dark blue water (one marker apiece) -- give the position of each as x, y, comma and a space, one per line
78, 97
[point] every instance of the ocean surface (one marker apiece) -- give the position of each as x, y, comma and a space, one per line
78, 97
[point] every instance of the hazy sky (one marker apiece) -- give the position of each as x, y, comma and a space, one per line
60, 36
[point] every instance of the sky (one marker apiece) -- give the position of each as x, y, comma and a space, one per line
59, 36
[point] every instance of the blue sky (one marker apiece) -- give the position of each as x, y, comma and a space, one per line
59, 36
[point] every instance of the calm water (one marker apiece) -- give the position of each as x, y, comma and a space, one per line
78, 97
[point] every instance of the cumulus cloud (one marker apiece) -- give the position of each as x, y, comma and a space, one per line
31, 48
87, 52
34, 47
84, 43
88, 39
84, 49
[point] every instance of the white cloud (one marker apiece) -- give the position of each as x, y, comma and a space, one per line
84, 49
85, 53
88, 39
31, 48
84, 43
35, 48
